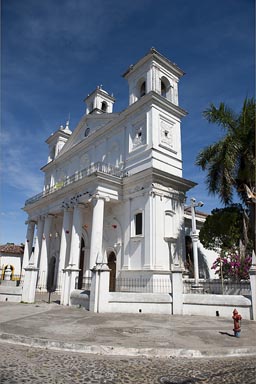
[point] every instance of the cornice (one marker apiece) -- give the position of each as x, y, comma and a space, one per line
154, 55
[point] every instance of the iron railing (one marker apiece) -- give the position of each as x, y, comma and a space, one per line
79, 175
83, 283
218, 287
42, 285
143, 285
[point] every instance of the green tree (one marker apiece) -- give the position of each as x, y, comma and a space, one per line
223, 228
230, 162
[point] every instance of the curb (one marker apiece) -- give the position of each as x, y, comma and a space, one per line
121, 351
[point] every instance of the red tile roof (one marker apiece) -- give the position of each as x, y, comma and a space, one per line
12, 249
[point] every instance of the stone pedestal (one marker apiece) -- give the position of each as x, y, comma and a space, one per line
29, 285
99, 288
177, 290
69, 282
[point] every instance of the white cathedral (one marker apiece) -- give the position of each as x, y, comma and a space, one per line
114, 195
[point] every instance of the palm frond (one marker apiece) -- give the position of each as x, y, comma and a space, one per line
223, 116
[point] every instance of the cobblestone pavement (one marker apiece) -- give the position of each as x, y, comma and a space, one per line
20, 364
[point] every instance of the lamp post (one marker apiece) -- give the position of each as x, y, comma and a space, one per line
194, 235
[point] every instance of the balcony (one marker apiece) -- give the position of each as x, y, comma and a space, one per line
79, 175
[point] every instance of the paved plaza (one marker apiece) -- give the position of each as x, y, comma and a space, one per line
49, 343
20, 364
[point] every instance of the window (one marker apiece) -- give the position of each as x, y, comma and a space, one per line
138, 223
143, 89
163, 89
104, 106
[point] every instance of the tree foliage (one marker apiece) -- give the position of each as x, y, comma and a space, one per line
223, 228
230, 163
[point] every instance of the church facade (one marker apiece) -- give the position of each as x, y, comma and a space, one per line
114, 193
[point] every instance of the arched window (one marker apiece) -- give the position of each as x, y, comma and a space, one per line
104, 106
143, 89
163, 89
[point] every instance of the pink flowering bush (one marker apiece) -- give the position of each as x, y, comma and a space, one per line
234, 266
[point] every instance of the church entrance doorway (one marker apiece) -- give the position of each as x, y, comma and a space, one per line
112, 267
81, 265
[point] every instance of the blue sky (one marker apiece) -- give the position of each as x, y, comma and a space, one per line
55, 52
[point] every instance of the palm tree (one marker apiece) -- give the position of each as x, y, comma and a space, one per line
230, 162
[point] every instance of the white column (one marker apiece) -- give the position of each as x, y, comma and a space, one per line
97, 230
65, 243
28, 243
43, 270
38, 240
72, 271
76, 236
194, 237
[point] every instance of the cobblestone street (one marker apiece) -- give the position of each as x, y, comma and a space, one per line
20, 364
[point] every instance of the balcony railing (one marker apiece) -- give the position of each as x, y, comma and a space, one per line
79, 175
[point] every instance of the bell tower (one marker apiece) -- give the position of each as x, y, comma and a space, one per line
99, 101
155, 137
153, 73
57, 140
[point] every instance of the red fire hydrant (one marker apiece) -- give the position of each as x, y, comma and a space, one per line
237, 323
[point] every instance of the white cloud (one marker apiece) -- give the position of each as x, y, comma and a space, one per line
18, 170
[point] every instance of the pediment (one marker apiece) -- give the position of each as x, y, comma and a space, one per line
86, 127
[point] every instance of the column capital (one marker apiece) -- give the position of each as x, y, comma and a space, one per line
47, 215
97, 196
67, 209
30, 221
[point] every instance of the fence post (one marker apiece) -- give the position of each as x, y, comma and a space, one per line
99, 288
252, 273
177, 290
29, 285
69, 282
